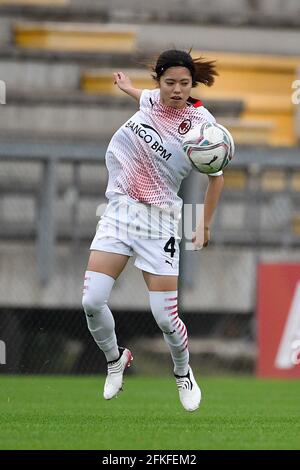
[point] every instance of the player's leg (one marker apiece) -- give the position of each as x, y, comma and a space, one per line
102, 271
159, 261
164, 307
163, 302
111, 264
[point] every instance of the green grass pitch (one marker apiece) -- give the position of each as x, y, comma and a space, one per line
70, 413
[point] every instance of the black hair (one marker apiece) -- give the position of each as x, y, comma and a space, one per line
202, 70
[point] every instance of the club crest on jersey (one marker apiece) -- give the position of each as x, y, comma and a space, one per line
184, 126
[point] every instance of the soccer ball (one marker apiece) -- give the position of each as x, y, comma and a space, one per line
209, 147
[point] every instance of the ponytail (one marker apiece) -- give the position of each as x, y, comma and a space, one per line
205, 71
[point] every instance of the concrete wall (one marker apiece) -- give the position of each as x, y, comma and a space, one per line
224, 279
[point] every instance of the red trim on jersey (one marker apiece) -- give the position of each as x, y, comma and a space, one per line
198, 104
195, 103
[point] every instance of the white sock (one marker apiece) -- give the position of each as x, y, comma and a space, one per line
164, 309
96, 292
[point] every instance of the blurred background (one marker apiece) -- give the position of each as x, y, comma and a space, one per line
238, 297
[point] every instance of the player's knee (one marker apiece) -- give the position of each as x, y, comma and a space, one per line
93, 303
165, 325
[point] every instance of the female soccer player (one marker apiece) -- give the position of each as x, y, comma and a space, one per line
146, 166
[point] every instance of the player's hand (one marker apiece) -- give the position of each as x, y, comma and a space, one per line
201, 241
122, 81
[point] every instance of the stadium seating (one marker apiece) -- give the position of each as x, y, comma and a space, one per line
35, 2
75, 37
100, 81
261, 82
274, 180
295, 181
248, 131
233, 12
264, 84
235, 179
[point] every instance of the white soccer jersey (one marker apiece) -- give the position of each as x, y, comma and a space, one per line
145, 159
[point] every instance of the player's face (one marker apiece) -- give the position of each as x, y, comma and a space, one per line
175, 87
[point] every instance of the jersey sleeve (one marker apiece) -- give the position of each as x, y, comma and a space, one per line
145, 95
208, 116
218, 173
148, 98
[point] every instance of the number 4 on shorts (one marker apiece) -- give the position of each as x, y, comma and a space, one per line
170, 246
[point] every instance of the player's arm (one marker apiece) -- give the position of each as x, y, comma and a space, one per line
124, 83
212, 196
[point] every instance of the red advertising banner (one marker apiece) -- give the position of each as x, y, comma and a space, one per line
278, 320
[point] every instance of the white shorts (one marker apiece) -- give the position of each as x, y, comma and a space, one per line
131, 233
